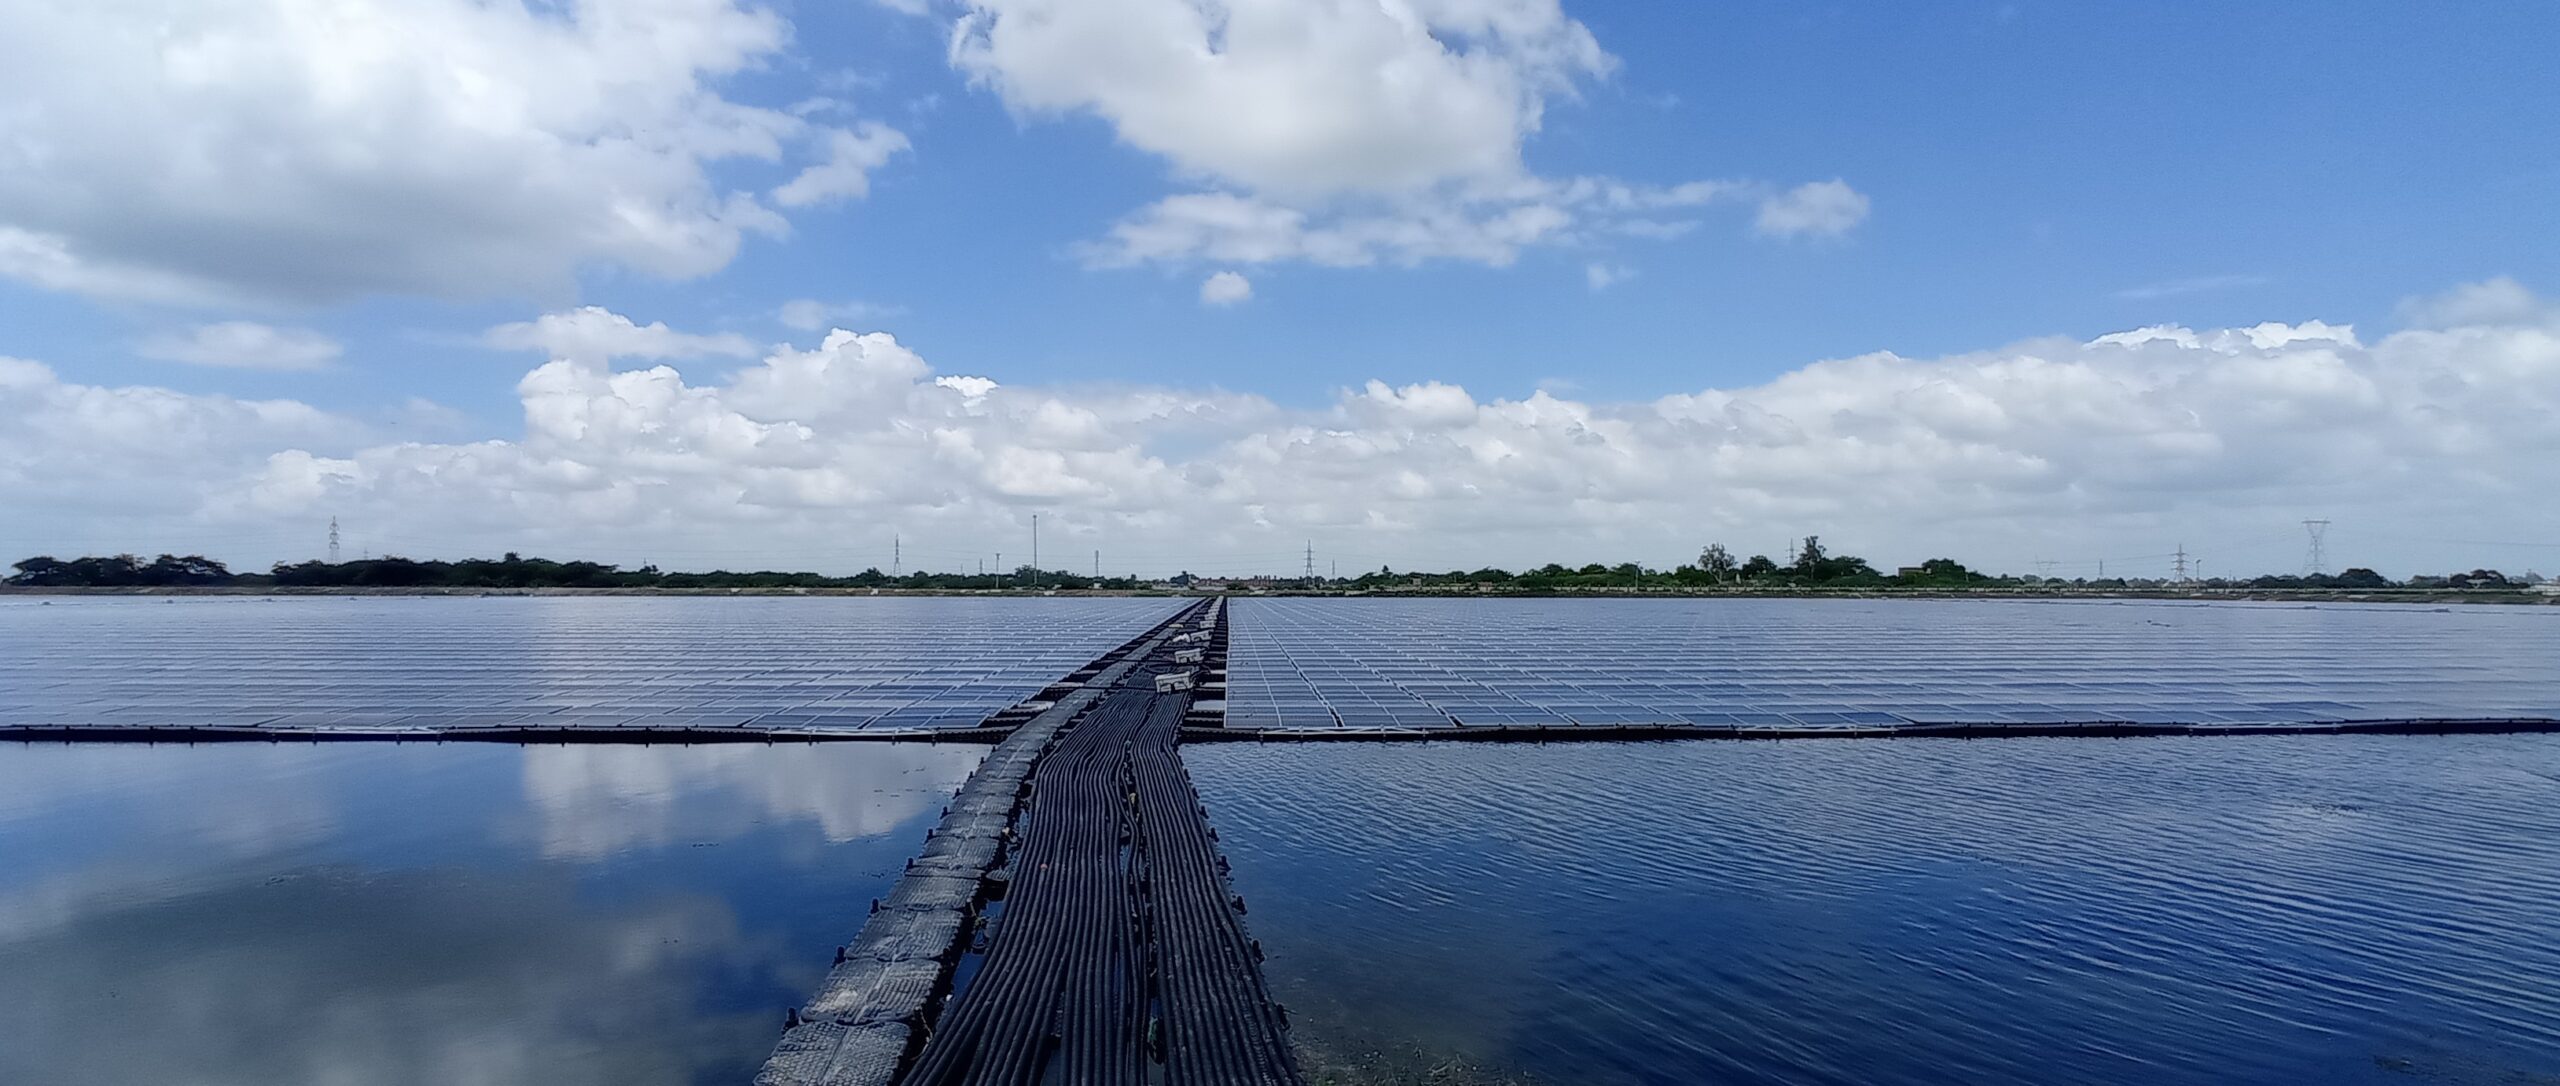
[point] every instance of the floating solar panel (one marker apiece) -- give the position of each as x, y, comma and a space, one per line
1796, 664
885, 664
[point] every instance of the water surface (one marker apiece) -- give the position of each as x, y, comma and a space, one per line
267, 914
2335, 909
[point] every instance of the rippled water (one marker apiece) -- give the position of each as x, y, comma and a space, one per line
2241, 910
286, 914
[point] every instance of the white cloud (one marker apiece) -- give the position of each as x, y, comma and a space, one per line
214, 151
1815, 208
136, 459
243, 345
594, 334
846, 171
1346, 132
1488, 225
814, 456
1600, 275
1290, 98
1224, 289
2501, 300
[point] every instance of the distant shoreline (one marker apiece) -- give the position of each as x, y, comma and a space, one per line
2438, 596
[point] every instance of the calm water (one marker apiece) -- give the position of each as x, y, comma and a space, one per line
446, 914
2241, 910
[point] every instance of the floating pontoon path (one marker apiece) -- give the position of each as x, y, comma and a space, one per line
1113, 952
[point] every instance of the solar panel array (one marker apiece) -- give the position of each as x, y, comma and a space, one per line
1440, 664
883, 664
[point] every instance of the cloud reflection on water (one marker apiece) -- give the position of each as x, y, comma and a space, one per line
596, 800
444, 913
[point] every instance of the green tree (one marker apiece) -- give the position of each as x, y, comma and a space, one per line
1717, 561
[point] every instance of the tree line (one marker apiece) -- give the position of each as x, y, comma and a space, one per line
1811, 566
509, 571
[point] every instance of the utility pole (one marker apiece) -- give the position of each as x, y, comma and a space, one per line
333, 541
2317, 562
1035, 550
1097, 565
897, 557
999, 569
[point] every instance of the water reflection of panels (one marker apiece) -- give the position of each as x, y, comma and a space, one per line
887, 665
1815, 665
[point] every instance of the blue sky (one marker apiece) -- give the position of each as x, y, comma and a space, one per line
2021, 172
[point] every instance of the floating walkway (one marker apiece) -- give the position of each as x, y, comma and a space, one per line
1069, 922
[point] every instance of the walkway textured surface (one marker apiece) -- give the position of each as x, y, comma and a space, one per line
1117, 952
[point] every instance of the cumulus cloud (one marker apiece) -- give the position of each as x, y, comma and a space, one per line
243, 345
1336, 133
815, 455
2501, 300
138, 460
1289, 98
215, 151
1225, 288
593, 334
1813, 209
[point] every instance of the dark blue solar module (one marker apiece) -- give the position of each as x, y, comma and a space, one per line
885, 664
1398, 664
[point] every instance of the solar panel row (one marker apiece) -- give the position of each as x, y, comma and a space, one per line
1425, 664
880, 664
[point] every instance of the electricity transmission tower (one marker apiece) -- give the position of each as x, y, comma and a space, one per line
1310, 573
333, 541
2317, 562
2182, 563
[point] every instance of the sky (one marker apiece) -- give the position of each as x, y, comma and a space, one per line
1214, 284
